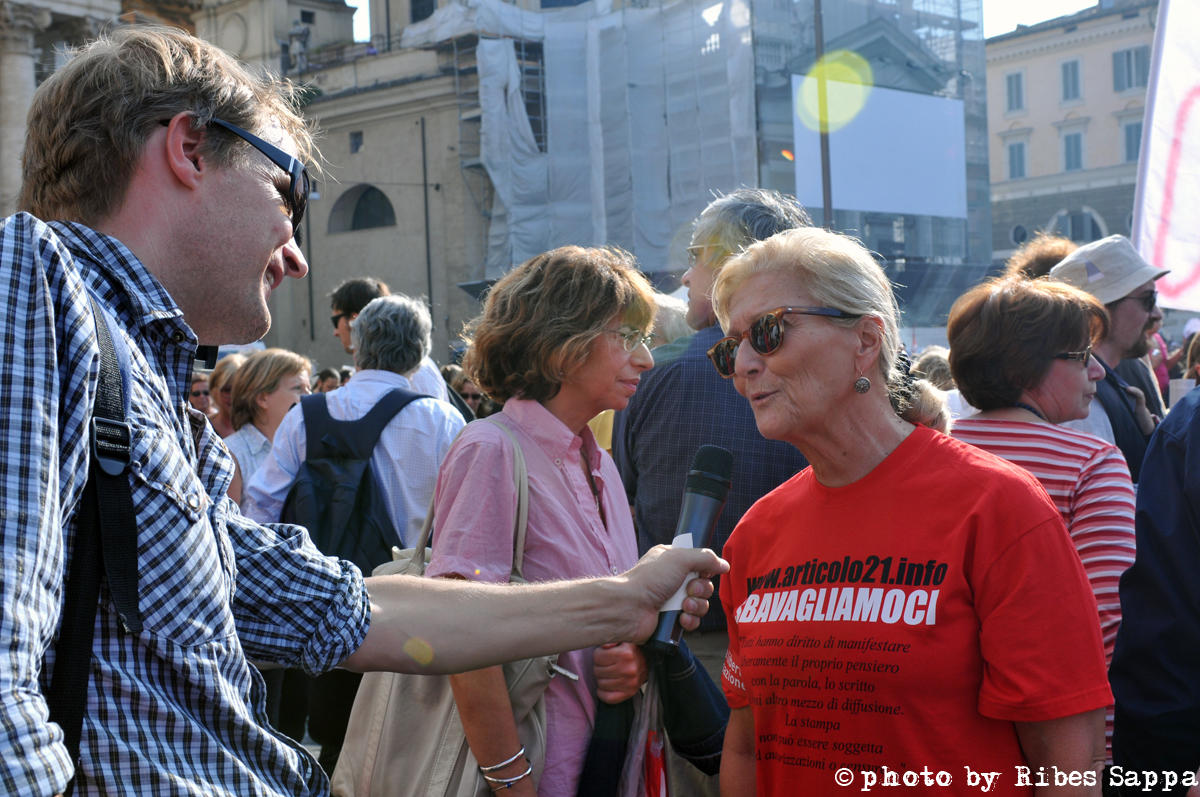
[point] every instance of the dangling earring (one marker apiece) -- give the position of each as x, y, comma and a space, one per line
862, 385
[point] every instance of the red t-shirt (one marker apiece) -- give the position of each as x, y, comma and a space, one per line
907, 620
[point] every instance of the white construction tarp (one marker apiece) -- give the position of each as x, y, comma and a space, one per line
511, 156
649, 113
480, 17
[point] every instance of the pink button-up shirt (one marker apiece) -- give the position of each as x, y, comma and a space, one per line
475, 505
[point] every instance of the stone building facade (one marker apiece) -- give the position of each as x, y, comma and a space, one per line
1066, 99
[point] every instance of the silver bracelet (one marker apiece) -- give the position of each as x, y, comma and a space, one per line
503, 764
507, 783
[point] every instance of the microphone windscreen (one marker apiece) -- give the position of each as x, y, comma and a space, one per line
711, 473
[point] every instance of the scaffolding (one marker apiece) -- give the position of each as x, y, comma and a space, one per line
470, 121
590, 126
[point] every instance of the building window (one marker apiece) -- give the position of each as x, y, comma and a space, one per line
771, 54
1072, 152
421, 9
363, 207
1131, 68
356, 141
1070, 81
1014, 86
1081, 226
308, 17
1016, 160
1133, 141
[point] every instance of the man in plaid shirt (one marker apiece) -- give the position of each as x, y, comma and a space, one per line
180, 222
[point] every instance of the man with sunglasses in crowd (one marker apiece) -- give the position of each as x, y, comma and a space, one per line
1112, 270
169, 221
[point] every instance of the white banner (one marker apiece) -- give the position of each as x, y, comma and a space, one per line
1165, 228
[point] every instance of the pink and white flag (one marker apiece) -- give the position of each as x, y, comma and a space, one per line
1166, 211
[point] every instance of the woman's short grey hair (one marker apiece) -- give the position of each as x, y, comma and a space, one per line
838, 272
736, 220
670, 322
391, 334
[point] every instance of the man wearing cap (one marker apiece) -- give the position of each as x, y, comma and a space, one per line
1112, 270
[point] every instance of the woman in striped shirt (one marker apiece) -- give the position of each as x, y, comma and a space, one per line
1020, 351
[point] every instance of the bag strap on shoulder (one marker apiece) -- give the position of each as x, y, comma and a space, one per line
520, 523
105, 540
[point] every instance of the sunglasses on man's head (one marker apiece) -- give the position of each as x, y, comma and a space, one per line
765, 334
299, 185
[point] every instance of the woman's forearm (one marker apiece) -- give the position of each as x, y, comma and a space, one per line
1073, 744
487, 718
738, 777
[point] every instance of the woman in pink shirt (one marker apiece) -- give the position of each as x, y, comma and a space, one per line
561, 338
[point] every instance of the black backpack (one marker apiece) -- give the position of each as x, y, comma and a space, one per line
336, 495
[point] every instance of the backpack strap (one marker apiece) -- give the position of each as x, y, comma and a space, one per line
105, 540
325, 436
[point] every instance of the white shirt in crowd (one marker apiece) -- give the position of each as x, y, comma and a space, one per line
427, 379
249, 447
1096, 423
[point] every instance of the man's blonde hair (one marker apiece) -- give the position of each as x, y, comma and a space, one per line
90, 120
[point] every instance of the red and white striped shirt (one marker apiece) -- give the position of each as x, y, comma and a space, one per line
1088, 480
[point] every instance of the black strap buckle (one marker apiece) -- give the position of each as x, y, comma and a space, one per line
112, 444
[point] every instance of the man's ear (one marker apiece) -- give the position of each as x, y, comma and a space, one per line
183, 150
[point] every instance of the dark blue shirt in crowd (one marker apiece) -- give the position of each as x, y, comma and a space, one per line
1155, 671
1118, 406
680, 405
1137, 373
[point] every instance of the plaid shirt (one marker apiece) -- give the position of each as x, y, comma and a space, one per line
175, 709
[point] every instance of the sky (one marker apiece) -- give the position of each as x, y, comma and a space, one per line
1003, 16
999, 16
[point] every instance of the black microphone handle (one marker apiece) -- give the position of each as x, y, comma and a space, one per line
698, 519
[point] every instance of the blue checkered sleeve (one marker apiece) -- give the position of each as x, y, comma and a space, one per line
41, 413
294, 605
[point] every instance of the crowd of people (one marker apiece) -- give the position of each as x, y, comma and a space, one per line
976, 558
155, 225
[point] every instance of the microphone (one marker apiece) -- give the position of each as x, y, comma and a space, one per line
704, 495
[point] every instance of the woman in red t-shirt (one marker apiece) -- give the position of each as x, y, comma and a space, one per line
909, 607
